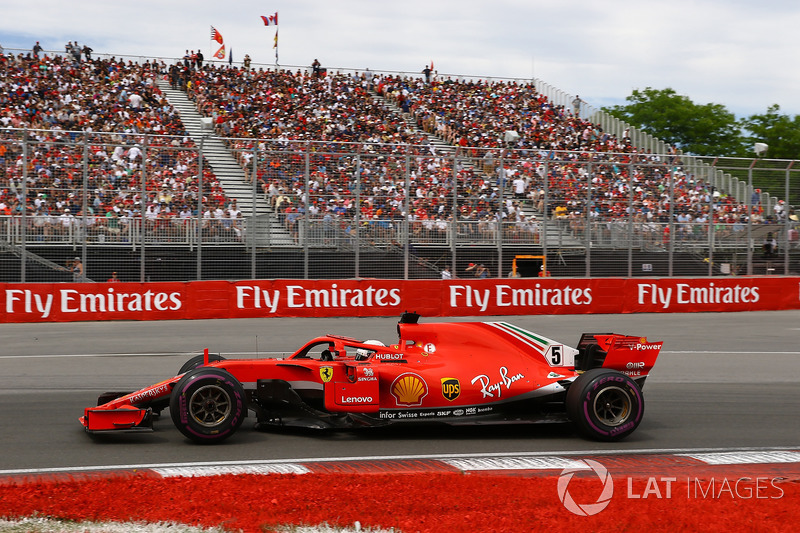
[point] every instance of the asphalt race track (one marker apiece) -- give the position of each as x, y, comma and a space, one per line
723, 382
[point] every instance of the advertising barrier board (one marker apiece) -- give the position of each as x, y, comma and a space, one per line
66, 302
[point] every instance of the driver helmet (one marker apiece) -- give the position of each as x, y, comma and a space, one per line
363, 353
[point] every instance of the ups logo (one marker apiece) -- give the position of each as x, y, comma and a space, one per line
451, 388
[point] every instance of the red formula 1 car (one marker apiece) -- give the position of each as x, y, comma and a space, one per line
453, 373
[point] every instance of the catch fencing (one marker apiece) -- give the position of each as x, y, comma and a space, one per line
83, 206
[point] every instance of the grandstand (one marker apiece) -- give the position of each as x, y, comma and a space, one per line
226, 172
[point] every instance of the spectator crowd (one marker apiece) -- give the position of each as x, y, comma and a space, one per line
514, 148
326, 145
104, 147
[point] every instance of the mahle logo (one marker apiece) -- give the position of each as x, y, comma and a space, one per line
585, 509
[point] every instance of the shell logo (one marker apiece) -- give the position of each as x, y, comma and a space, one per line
409, 389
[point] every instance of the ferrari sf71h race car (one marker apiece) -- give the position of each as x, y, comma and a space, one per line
454, 372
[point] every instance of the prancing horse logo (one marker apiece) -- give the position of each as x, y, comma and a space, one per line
326, 373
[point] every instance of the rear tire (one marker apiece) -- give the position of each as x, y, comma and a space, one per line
605, 404
197, 361
208, 405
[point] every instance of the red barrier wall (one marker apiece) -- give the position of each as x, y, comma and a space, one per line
64, 302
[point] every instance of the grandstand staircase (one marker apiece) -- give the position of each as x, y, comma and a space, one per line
19, 252
263, 230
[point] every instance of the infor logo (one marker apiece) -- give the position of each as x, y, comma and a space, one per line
586, 509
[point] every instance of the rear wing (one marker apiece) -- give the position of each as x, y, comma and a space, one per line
633, 356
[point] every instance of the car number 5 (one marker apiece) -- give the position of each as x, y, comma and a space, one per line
555, 355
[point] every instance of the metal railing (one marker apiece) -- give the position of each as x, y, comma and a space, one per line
315, 209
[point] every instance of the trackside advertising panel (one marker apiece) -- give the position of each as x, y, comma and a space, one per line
64, 302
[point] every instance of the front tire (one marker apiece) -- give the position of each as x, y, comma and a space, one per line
208, 405
605, 404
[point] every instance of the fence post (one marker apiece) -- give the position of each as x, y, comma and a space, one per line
406, 219
305, 204
199, 275
588, 260
455, 211
709, 170
786, 221
84, 205
251, 231
630, 220
357, 218
142, 207
750, 218
501, 178
671, 224
24, 245
546, 204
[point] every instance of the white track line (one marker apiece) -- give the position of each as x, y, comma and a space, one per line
730, 453
745, 458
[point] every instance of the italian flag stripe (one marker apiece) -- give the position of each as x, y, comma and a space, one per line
540, 343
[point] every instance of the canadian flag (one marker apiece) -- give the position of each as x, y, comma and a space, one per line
270, 20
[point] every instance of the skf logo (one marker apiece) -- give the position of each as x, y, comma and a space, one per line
451, 388
326, 373
409, 389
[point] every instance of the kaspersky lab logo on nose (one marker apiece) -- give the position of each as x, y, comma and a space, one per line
591, 508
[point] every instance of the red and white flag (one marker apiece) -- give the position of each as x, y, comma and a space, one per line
215, 35
270, 20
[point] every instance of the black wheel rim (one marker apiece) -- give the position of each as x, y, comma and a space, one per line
210, 405
612, 406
